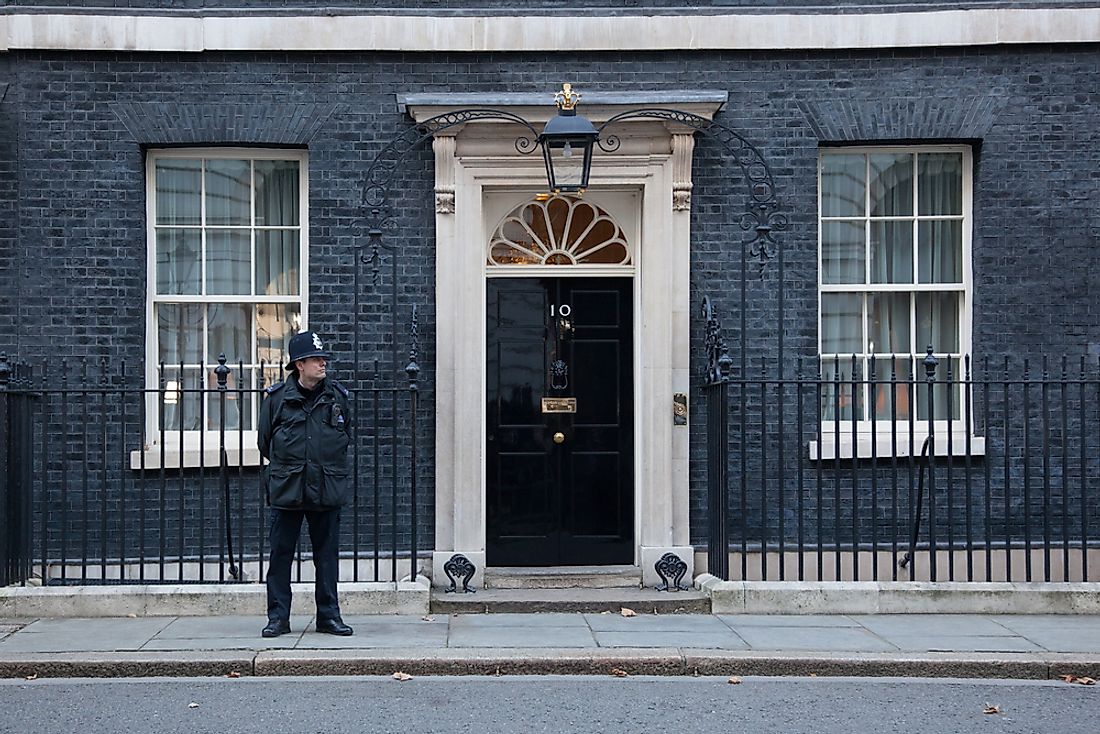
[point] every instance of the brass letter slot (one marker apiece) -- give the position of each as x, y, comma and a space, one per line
559, 405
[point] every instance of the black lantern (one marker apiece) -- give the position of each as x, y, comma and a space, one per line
567, 142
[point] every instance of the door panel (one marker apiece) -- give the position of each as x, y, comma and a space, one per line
568, 503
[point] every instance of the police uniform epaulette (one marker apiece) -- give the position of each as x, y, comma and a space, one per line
275, 388
342, 390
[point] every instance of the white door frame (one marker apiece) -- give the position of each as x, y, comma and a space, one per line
480, 158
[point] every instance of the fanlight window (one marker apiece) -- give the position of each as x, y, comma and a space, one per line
563, 230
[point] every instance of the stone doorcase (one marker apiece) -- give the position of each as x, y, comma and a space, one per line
476, 167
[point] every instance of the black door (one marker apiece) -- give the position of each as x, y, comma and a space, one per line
560, 484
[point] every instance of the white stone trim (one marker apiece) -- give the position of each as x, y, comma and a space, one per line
107, 31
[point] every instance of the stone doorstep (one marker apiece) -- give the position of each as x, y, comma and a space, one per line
563, 577
539, 600
898, 597
173, 600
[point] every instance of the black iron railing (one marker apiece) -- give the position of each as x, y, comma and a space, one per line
106, 480
905, 468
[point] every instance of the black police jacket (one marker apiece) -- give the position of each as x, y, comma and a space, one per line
307, 446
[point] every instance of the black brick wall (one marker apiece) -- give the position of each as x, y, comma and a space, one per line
84, 120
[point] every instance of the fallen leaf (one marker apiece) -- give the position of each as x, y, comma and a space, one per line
813, 675
619, 673
32, 676
232, 674
427, 618
734, 680
402, 676
606, 611
1081, 680
131, 615
192, 705
628, 612
991, 709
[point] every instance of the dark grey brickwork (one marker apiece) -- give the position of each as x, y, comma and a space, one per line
9, 262
84, 120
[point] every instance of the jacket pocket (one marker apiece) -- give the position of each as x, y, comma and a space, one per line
285, 485
337, 487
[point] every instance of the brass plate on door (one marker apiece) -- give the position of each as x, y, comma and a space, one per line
559, 405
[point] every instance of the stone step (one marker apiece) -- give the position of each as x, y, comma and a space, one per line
563, 577
642, 601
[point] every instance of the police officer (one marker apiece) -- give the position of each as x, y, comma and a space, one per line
303, 432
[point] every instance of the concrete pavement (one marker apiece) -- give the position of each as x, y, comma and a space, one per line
995, 646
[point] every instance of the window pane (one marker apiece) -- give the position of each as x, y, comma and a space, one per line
180, 399
179, 182
229, 332
227, 262
892, 252
945, 394
840, 400
841, 323
277, 262
178, 269
275, 324
238, 405
276, 193
892, 391
940, 183
179, 333
889, 323
891, 185
938, 321
842, 252
842, 185
228, 183
940, 251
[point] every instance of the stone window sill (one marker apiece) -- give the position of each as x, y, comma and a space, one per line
827, 450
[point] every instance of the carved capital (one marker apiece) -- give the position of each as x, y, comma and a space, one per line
444, 148
683, 146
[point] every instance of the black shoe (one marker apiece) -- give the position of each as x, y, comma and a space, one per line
334, 627
275, 628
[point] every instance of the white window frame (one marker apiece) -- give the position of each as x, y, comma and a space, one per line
202, 447
883, 429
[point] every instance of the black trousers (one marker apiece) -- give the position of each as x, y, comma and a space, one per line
324, 534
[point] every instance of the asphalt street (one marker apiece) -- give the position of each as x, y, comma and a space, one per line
545, 705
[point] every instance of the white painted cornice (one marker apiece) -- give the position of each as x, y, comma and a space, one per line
113, 31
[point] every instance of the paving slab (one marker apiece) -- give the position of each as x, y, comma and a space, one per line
505, 619
93, 626
656, 622
222, 643
1025, 623
1068, 640
379, 636
967, 643
793, 620
533, 637
932, 625
664, 638
819, 638
196, 628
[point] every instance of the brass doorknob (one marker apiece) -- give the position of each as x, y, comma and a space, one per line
559, 437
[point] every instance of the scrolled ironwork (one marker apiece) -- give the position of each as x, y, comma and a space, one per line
719, 361
459, 566
378, 176
671, 568
763, 217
